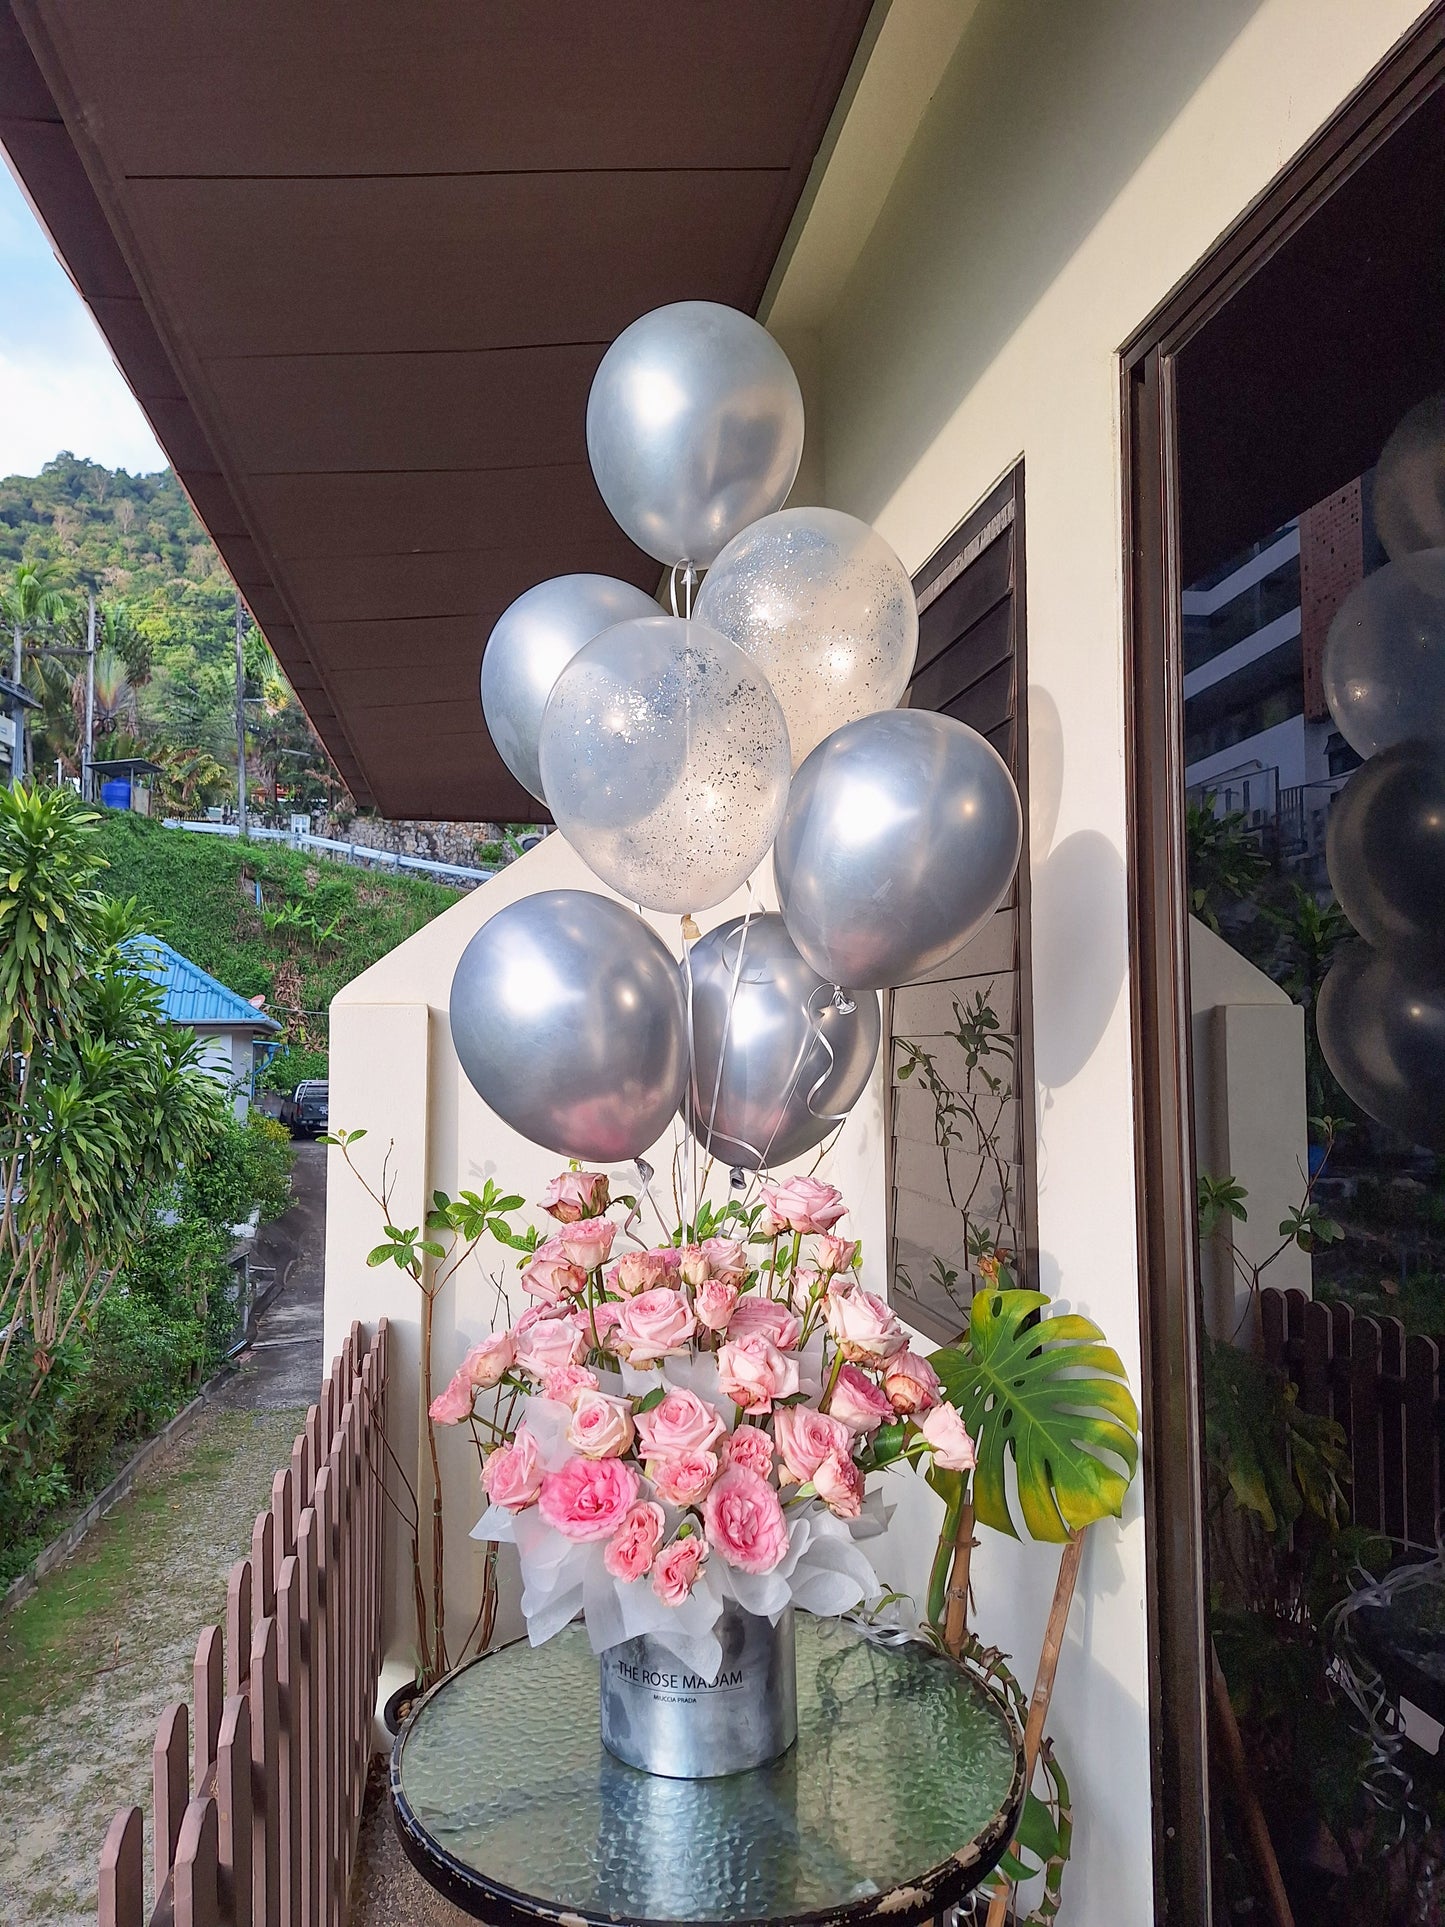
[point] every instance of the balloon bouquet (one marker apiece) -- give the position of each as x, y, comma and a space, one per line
1381, 1014
673, 749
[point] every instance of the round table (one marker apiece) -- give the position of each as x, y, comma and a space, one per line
902, 1792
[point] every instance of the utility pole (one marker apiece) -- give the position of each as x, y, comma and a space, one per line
87, 778
17, 748
240, 716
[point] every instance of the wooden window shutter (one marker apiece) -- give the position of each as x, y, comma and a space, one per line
961, 1136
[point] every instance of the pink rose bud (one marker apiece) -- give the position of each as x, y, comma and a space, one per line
751, 1448
946, 1433
835, 1254
455, 1403
675, 1571
601, 1425
567, 1382
752, 1372
804, 1204
696, 1268
767, 1226
653, 1325
576, 1194
512, 1474
838, 1482
858, 1401
713, 1302
686, 1479
728, 1258
805, 1438
543, 1343
641, 1271
630, 1551
863, 1327
910, 1382
602, 1319
588, 1242
679, 1422
744, 1521
487, 1364
765, 1315
804, 1287
551, 1275
588, 1498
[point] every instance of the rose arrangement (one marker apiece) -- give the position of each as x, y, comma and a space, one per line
668, 1428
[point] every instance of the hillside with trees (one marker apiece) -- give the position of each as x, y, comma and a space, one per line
165, 664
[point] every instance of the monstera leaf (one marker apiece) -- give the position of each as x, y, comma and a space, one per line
1052, 1393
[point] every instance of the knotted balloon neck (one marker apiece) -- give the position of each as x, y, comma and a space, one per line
842, 1002
682, 576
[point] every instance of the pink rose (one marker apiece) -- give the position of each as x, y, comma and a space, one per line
767, 1316
600, 1426
946, 1432
767, 1226
752, 1372
543, 1343
640, 1271
858, 1401
675, 1571
804, 1287
455, 1403
512, 1474
654, 1324
728, 1258
838, 1482
835, 1254
588, 1242
588, 1498
685, 1479
695, 1267
805, 1438
576, 1194
804, 1204
713, 1301
567, 1382
679, 1422
487, 1364
551, 1275
863, 1327
910, 1382
744, 1521
601, 1319
750, 1447
632, 1548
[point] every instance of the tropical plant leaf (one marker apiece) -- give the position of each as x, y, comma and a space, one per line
1051, 1393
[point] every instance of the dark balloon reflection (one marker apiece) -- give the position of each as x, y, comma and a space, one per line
1382, 1029
1386, 848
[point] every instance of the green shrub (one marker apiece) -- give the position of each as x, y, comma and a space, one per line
292, 1065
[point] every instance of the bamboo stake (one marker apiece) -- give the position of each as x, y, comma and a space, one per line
1043, 1690
1256, 1827
955, 1623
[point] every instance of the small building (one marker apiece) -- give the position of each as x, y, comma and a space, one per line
234, 1034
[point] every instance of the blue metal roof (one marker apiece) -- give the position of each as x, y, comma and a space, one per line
190, 995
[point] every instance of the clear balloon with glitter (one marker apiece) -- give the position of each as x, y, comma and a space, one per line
666, 763
825, 608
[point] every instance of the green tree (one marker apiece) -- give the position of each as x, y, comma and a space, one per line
1226, 864
33, 604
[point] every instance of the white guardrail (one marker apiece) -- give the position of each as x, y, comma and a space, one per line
332, 846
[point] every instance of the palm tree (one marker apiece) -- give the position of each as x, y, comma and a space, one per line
32, 604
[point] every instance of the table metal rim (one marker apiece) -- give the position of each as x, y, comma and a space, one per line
905, 1906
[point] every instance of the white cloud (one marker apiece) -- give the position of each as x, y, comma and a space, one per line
70, 395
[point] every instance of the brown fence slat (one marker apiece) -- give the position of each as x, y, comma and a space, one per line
309, 1747
1272, 1327
170, 1787
263, 1564
323, 1628
233, 1812
1391, 1381
1422, 1445
122, 1871
207, 1691
194, 1888
289, 1689
1312, 1321
265, 1817
283, 1511
1365, 1421
238, 1625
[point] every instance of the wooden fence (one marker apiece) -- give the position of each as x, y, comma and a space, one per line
1384, 1389
258, 1785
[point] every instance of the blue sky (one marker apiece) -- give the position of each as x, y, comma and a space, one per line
59, 387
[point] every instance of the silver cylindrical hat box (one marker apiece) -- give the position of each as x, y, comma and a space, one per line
665, 1718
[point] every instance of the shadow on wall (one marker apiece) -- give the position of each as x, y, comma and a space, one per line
1061, 104
1080, 953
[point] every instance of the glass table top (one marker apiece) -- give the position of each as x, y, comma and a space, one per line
899, 1796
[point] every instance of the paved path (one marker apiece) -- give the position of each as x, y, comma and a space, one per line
88, 1664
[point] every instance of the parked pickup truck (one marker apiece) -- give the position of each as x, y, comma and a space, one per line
310, 1109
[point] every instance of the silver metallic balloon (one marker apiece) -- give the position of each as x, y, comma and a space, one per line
825, 608
1384, 664
665, 760
776, 1063
1382, 1030
694, 428
568, 1016
1409, 498
901, 837
533, 641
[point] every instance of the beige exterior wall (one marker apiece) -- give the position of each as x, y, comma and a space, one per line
1072, 163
